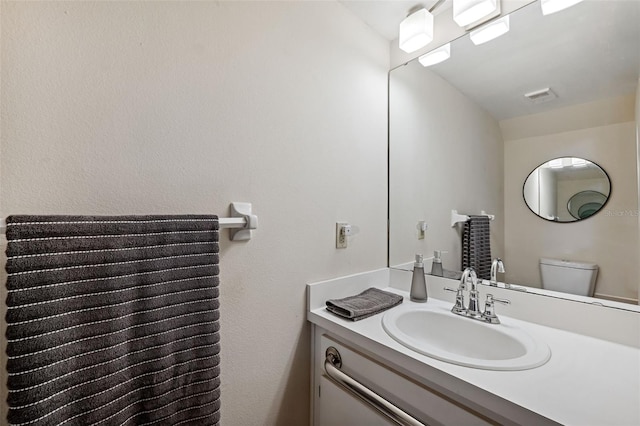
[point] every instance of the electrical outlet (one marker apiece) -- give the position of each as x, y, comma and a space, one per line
341, 234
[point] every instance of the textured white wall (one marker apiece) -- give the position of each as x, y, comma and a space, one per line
609, 238
445, 153
183, 107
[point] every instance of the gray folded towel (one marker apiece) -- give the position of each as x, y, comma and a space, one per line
363, 305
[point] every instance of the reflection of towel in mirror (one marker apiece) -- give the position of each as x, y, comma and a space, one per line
476, 246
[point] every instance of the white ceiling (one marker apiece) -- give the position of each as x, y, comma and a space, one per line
587, 52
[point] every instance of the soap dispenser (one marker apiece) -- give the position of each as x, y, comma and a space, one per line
418, 284
436, 264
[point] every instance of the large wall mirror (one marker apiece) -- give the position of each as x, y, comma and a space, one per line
465, 134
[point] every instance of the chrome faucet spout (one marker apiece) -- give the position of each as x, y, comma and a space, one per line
496, 266
474, 280
469, 275
473, 310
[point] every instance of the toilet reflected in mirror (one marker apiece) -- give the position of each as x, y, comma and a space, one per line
569, 277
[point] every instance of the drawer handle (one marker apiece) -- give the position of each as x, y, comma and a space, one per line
332, 365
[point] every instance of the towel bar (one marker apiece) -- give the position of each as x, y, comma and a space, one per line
456, 217
332, 365
240, 224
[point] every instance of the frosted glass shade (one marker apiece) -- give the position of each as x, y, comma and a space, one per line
490, 31
436, 56
466, 12
553, 6
416, 31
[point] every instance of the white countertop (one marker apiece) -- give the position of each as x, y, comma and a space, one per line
587, 381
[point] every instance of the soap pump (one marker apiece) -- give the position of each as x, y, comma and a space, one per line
418, 283
436, 264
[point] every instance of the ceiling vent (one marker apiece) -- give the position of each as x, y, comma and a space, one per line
540, 96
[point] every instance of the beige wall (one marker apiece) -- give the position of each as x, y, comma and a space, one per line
183, 107
446, 153
609, 238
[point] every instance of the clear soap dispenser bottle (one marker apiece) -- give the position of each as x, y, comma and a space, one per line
418, 284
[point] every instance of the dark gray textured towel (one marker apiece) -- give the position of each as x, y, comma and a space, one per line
113, 320
476, 246
363, 305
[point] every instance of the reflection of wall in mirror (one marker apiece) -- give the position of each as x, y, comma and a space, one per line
637, 118
540, 193
447, 153
602, 131
548, 194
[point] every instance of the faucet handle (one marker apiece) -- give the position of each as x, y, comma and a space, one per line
458, 308
491, 299
489, 314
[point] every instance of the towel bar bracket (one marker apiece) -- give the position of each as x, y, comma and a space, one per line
242, 211
333, 356
458, 218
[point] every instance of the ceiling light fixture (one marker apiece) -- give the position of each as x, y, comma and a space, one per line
466, 12
436, 56
490, 31
416, 31
555, 164
578, 162
553, 6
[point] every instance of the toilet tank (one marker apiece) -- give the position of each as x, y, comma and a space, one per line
568, 276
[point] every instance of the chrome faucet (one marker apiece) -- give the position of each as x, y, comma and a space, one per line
474, 306
473, 310
496, 266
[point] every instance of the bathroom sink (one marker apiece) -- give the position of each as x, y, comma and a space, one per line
436, 332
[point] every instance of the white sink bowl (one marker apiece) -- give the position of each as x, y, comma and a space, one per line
436, 332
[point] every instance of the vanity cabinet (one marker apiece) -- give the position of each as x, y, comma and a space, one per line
574, 387
333, 405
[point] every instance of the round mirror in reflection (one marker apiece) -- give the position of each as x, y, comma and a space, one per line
567, 189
